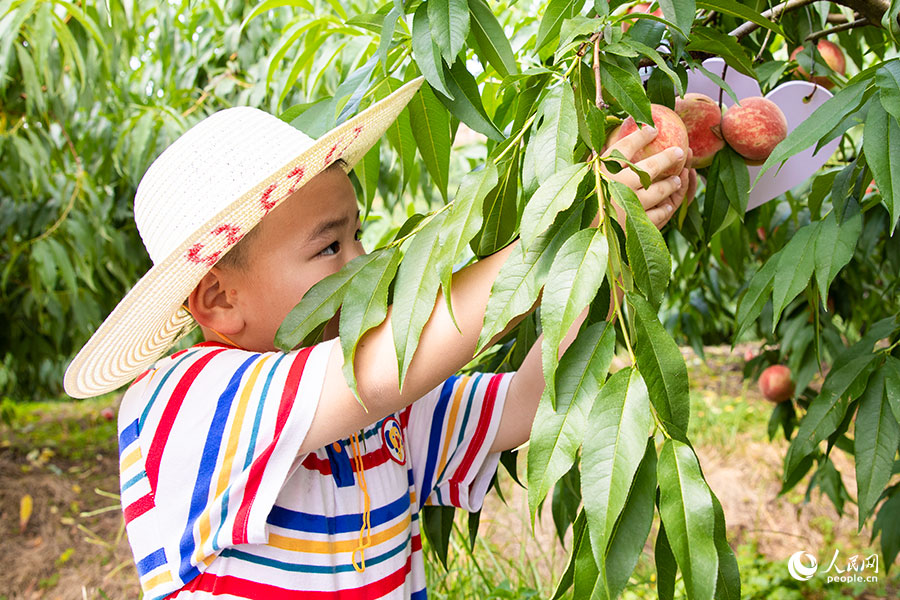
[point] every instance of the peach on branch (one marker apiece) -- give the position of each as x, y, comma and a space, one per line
753, 128
833, 56
703, 119
775, 384
643, 7
671, 132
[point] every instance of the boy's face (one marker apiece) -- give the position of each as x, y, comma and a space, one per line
309, 236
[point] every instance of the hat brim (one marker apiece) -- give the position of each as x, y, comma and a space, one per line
150, 318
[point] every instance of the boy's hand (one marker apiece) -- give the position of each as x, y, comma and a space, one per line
663, 197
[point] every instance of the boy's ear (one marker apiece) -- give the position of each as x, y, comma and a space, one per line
210, 306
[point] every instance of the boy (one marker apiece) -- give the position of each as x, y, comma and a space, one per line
237, 481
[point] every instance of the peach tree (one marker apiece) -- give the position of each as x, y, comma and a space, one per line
92, 93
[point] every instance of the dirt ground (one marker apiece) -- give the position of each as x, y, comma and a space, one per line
73, 545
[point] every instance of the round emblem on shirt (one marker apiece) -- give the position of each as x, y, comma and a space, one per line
392, 437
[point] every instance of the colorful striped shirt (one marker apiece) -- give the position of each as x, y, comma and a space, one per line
218, 502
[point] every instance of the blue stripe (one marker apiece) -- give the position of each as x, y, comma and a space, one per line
160, 385
151, 561
128, 435
323, 569
133, 480
420, 595
259, 412
310, 523
462, 428
209, 458
434, 438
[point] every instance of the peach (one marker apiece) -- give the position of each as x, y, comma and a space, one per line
703, 119
834, 58
672, 132
753, 128
775, 384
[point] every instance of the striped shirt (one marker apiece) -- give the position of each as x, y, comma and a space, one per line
218, 503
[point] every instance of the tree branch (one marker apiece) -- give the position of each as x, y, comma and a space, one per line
842, 27
871, 10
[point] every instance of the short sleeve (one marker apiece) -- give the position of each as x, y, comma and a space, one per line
207, 441
450, 432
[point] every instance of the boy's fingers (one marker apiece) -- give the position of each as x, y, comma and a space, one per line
631, 143
661, 161
661, 213
658, 192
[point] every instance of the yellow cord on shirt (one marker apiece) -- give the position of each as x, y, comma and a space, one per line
366, 528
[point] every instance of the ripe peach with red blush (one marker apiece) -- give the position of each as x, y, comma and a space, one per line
833, 56
640, 8
753, 128
671, 132
702, 117
776, 385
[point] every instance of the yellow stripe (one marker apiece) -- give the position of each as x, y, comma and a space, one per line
449, 429
203, 522
131, 458
164, 577
332, 547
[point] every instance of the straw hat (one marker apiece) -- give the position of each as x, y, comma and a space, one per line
197, 199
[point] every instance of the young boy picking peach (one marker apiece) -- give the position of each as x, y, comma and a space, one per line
247, 472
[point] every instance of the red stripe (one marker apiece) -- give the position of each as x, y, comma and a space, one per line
404, 417
244, 588
139, 377
138, 507
371, 460
487, 409
154, 455
210, 344
254, 477
416, 543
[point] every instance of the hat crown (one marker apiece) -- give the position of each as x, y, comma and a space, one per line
221, 158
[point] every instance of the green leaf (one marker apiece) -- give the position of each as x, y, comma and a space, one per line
663, 368
426, 53
367, 171
493, 45
578, 537
686, 509
892, 384
836, 244
555, 195
741, 11
437, 524
551, 22
319, 304
400, 133
557, 433
728, 583
680, 12
756, 295
449, 21
713, 41
817, 126
888, 525
627, 89
666, 567
881, 142
268, 5
647, 253
732, 178
369, 289
431, 129
795, 268
501, 212
887, 78
633, 526
827, 410
415, 291
463, 221
387, 35
875, 444
575, 276
550, 147
619, 423
464, 101
522, 276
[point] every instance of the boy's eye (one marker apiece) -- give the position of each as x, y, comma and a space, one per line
333, 248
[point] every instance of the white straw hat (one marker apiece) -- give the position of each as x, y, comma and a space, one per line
197, 199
